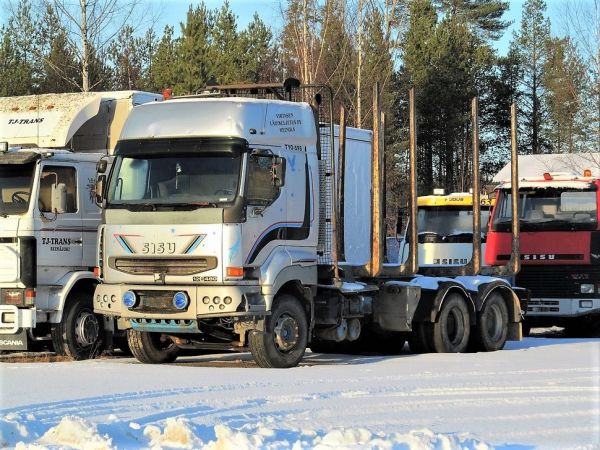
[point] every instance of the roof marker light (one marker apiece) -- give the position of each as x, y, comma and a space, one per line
547, 176
587, 173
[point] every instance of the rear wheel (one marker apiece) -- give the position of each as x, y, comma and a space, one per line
492, 324
283, 342
450, 334
152, 348
79, 335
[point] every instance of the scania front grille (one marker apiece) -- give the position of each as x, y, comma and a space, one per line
167, 266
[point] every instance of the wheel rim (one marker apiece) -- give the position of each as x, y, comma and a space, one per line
454, 326
493, 323
87, 329
286, 333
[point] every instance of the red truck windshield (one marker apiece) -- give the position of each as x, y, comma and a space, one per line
548, 209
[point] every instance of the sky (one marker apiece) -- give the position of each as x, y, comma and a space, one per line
173, 11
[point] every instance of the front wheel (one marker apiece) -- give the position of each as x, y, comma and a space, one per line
283, 342
152, 348
452, 330
79, 335
492, 324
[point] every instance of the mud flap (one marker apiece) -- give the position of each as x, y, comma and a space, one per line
395, 306
15, 341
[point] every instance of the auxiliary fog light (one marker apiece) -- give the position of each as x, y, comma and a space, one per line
181, 300
585, 303
587, 288
129, 299
227, 300
206, 300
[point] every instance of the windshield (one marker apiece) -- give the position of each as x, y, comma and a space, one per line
15, 188
449, 224
186, 179
548, 209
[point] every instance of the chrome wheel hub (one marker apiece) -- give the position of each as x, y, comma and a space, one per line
286, 333
87, 329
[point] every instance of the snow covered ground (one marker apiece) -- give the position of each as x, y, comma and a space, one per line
539, 393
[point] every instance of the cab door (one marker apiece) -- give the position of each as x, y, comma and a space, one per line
60, 241
266, 206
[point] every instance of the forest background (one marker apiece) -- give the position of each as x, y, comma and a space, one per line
445, 49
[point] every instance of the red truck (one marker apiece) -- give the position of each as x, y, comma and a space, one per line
559, 238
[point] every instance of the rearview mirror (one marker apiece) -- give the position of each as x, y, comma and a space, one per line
100, 182
278, 171
101, 165
59, 198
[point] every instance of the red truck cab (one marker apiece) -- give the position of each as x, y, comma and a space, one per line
559, 247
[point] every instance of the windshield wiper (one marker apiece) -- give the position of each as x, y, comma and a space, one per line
187, 205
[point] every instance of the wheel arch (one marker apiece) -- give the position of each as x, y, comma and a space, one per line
447, 288
74, 282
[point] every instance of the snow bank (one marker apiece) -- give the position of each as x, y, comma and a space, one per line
75, 432
176, 434
541, 393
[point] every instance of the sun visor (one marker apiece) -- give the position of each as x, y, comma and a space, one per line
45, 121
19, 158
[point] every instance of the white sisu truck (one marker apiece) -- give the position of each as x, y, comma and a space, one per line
222, 230
49, 147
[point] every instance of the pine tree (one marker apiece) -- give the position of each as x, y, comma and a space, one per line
193, 65
530, 43
564, 83
61, 71
162, 70
261, 60
225, 47
483, 16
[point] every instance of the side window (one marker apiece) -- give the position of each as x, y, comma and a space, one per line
261, 188
56, 175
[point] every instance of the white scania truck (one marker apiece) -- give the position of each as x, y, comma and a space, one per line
49, 147
224, 227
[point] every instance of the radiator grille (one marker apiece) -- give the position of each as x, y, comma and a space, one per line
168, 266
557, 281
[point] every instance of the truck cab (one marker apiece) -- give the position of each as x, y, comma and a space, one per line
225, 226
559, 239
49, 218
445, 224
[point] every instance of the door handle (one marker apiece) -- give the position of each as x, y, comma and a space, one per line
76, 241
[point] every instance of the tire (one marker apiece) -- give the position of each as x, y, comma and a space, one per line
451, 332
80, 333
283, 342
492, 324
152, 348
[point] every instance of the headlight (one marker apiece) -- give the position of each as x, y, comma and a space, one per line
129, 299
180, 300
587, 288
